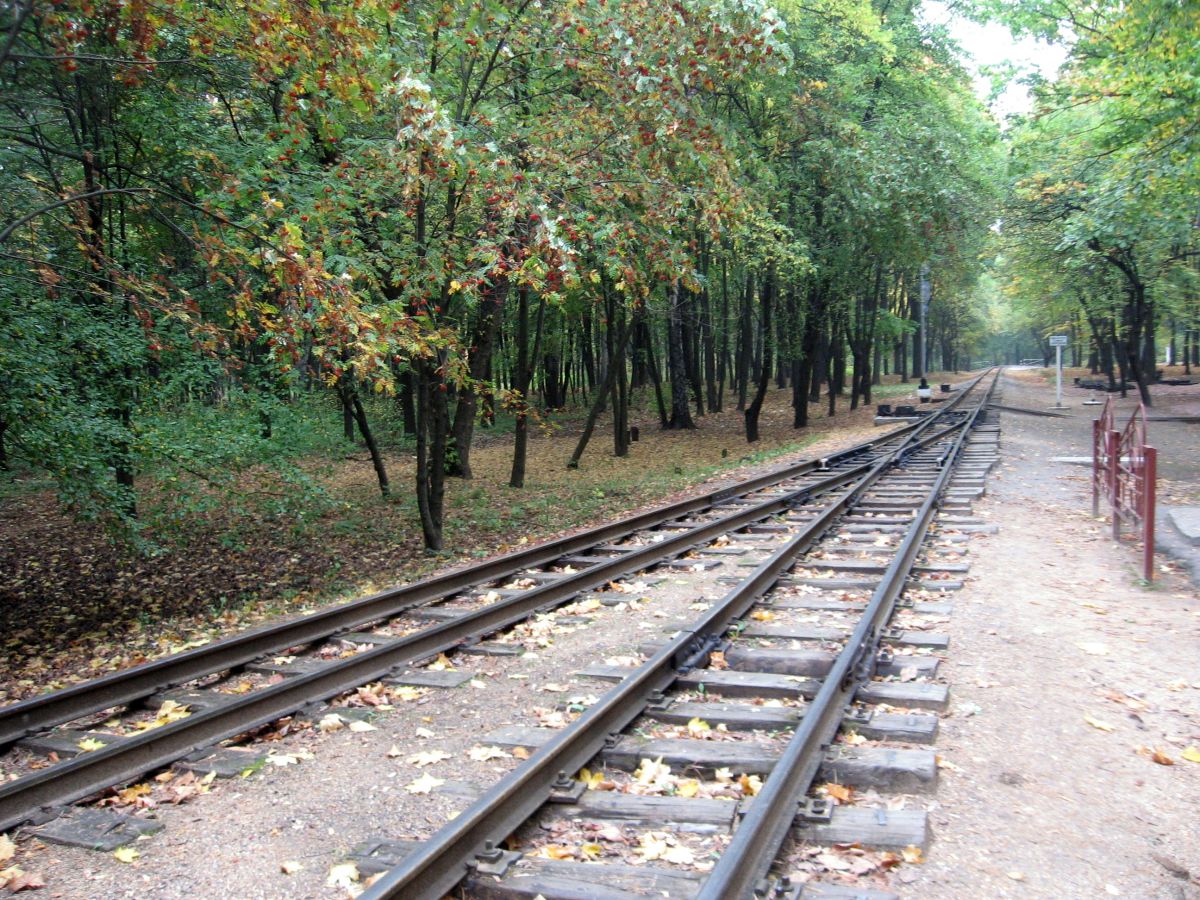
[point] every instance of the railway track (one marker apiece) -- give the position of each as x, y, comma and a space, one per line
774, 688
78, 742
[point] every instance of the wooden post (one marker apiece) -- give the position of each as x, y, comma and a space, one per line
1095, 468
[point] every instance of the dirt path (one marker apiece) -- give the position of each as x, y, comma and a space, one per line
1067, 675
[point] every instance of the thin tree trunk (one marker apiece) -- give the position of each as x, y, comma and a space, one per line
766, 298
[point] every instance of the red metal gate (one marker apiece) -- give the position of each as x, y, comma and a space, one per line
1124, 473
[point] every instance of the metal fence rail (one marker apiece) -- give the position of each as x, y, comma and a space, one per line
1124, 473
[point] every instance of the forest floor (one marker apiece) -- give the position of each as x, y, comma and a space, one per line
74, 606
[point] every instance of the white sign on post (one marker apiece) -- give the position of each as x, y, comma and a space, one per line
1058, 341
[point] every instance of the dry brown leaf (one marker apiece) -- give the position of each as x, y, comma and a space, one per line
912, 855
838, 792
716, 660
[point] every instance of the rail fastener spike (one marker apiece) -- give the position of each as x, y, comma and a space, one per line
815, 810
566, 789
491, 860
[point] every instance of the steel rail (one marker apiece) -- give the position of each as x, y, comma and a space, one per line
744, 864
128, 757
131, 685
445, 858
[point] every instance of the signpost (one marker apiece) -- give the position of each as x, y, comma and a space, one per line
1058, 341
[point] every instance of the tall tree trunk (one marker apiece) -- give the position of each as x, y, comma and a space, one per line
681, 416
478, 367
746, 344
522, 377
766, 299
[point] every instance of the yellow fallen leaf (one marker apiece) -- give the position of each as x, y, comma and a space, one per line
343, 875
1097, 724
87, 745
591, 851
590, 778
125, 854
698, 726
555, 851
1191, 754
441, 664
652, 845
331, 722
912, 855
520, 753
483, 754
689, 787
762, 615
424, 784
427, 758
680, 856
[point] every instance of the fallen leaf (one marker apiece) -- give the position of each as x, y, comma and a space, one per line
943, 763
343, 875
395, 752
680, 856
838, 792
21, 880
360, 726
1016, 876
652, 845
751, 784
520, 753
441, 664
1191, 754
697, 726
423, 733
291, 867
125, 854
483, 754
689, 787
87, 745
478, 684
762, 615
1097, 724
331, 722
555, 688
912, 855
424, 784
427, 758
1093, 647
7, 848
555, 851
716, 660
